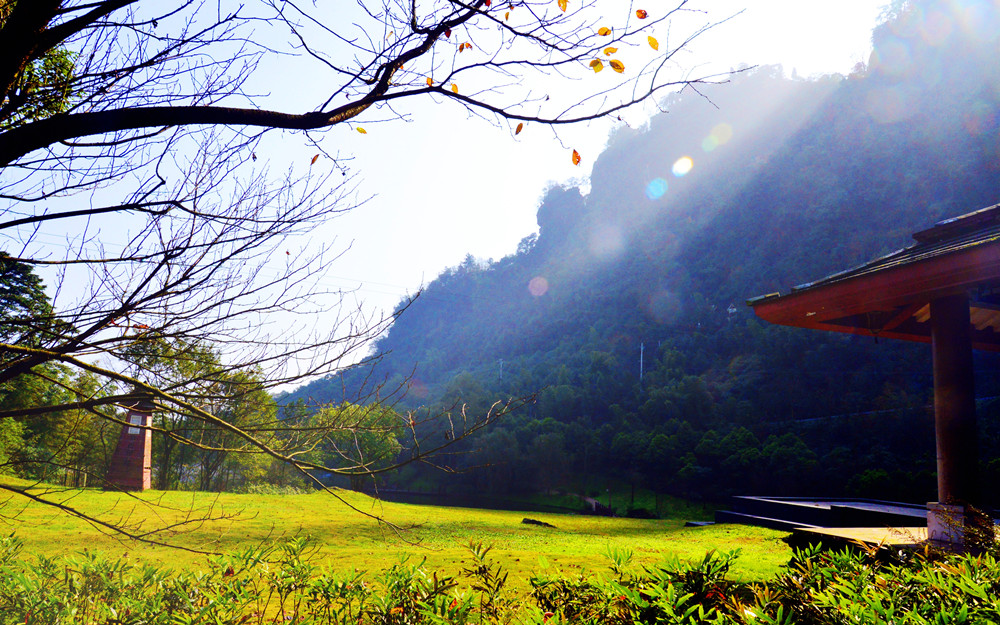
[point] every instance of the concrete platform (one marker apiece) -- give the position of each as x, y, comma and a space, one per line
894, 537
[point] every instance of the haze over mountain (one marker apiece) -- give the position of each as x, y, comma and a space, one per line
736, 191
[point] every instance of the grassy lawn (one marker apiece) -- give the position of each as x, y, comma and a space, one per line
348, 539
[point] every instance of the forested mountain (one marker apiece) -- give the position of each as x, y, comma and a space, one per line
743, 189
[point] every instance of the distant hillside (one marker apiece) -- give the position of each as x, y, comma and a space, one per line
743, 189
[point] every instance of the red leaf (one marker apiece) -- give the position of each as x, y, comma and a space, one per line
447, 33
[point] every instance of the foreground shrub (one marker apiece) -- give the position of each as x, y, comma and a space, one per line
280, 584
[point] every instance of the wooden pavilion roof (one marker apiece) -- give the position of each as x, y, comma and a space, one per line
889, 296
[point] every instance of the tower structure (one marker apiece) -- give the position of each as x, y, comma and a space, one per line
131, 465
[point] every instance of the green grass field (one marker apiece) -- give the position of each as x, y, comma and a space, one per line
349, 540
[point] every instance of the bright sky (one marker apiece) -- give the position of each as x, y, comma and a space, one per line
445, 185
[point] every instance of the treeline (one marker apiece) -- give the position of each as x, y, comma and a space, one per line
624, 316
63, 427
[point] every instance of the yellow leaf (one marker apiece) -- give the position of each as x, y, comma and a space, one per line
454, 88
610, 50
617, 65
596, 65
520, 127
604, 31
362, 130
653, 43
563, 4
430, 82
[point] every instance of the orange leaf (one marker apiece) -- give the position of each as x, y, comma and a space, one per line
596, 65
506, 16
604, 31
520, 127
610, 50
563, 4
362, 130
653, 43
314, 159
454, 88
641, 14
576, 157
430, 82
617, 65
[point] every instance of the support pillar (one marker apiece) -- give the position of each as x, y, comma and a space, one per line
954, 519
954, 400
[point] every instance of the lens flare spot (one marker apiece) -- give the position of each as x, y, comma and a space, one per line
418, 389
683, 166
978, 20
709, 143
656, 189
538, 286
663, 307
722, 133
887, 105
892, 57
979, 118
936, 28
606, 240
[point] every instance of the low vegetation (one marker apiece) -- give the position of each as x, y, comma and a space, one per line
283, 583
347, 540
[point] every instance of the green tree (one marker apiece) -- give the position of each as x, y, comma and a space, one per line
360, 442
143, 111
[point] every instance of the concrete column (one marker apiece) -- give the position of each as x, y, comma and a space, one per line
954, 401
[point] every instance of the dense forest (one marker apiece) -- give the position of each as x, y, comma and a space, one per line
621, 323
623, 317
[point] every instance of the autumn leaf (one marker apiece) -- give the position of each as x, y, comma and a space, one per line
641, 14
488, 3
362, 130
576, 157
596, 65
610, 50
430, 82
519, 128
617, 65
506, 16
604, 31
563, 4
653, 43
447, 33
314, 159
454, 88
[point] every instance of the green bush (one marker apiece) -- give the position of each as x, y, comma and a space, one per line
278, 583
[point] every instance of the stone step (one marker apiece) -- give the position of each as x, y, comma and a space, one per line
727, 516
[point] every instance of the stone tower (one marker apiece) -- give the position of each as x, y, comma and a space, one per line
131, 466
